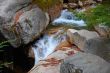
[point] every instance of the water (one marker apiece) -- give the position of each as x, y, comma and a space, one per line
46, 45
68, 18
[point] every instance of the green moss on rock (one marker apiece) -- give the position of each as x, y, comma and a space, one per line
46, 4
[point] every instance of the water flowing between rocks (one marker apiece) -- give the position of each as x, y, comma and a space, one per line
47, 44
68, 18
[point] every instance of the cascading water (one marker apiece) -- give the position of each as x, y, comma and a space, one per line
46, 45
68, 18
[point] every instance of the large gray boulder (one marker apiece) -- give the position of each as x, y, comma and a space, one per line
98, 46
8, 8
90, 42
80, 37
21, 22
84, 63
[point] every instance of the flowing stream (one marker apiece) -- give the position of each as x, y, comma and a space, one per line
68, 18
47, 44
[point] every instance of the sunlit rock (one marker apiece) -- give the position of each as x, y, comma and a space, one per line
52, 63
90, 42
21, 22
80, 37
84, 63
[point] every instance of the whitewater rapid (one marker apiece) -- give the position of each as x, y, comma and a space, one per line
46, 45
68, 18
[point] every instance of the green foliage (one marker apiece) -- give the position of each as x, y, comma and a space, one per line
95, 16
46, 4
2, 45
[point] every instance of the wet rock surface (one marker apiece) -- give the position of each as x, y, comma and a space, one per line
52, 63
92, 58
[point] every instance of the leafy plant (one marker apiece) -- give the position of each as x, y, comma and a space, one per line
2, 45
95, 16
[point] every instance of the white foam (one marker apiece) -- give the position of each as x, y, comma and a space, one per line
68, 18
46, 46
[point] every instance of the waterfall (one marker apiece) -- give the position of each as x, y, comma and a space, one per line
68, 18
46, 45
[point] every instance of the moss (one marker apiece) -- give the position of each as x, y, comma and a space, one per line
95, 16
46, 4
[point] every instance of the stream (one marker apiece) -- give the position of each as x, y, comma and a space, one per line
47, 44
68, 18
